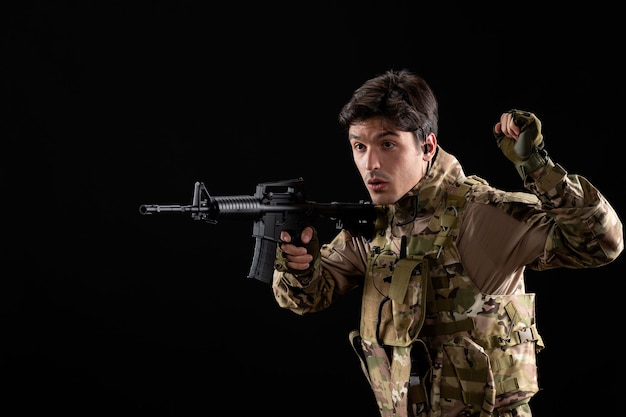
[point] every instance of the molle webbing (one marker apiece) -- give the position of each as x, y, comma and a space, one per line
484, 366
515, 337
437, 305
527, 334
449, 218
476, 375
445, 221
448, 223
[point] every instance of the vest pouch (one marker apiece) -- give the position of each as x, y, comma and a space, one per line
463, 380
509, 334
393, 312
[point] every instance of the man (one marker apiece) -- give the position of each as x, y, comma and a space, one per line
447, 328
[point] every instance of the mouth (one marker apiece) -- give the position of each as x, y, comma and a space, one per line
376, 184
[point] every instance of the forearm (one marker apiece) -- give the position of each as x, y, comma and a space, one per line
341, 268
586, 224
292, 294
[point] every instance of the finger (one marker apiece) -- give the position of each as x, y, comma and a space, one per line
293, 250
306, 235
285, 236
504, 119
509, 128
299, 263
513, 129
300, 259
297, 266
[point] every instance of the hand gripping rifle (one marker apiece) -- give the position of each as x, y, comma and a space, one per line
275, 206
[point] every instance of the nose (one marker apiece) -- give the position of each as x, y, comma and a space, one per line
372, 162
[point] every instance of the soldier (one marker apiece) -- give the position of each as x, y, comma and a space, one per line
447, 328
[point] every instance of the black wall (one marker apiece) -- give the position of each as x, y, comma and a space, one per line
106, 107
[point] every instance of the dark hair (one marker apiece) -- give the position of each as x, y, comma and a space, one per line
401, 97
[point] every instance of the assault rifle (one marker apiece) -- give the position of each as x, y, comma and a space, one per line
274, 207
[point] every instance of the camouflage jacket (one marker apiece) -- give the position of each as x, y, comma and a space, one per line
564, 222
445, 269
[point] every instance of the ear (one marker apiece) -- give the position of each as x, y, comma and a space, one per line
430, 146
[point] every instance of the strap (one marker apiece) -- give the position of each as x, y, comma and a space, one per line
355, 342
451, 213
465, 374
402, 273
527, 334
515, 337
417, 394
472, 398
448, 328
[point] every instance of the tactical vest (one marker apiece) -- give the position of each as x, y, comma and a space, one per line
432, 342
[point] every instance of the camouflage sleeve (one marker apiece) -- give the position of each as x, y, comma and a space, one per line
341, 268
587, 231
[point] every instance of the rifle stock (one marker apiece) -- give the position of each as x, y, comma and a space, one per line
275, 206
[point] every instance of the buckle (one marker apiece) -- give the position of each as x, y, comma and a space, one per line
526, 335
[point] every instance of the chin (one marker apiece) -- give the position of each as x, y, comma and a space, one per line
381, 200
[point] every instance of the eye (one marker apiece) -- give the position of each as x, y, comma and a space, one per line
388, 145
358, 146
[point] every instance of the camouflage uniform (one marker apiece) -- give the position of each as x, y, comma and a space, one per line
447, 328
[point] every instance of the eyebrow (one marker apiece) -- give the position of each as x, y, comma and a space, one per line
381, 135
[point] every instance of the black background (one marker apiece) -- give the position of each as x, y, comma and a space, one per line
109, 105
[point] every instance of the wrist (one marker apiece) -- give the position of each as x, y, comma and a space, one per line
534, 165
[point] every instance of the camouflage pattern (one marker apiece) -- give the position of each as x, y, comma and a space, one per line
394, 299
388, 376
586, 221
434, 344
482, 346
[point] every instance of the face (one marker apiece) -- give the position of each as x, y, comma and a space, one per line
389, 160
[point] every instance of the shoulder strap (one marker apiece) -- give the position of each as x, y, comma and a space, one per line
455, 201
